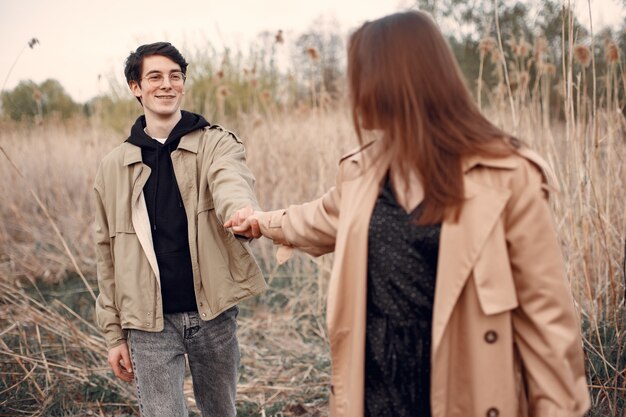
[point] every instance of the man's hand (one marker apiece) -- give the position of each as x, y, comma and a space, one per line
245, 222
119, 359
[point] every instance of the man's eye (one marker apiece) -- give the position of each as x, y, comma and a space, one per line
155, 77
175, 77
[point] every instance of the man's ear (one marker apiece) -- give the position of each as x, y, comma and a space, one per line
135, 88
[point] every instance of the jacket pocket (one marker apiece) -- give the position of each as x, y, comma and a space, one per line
124, 225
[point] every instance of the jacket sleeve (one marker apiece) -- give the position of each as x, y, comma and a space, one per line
230, 180
546, 328
310, 227
107, 314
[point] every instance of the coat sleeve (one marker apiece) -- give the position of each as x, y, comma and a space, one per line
107, 314
546, 327
310, 227
230, 180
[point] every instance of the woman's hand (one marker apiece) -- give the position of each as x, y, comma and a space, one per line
245, 222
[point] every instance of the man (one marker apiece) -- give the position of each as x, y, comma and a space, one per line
170, 276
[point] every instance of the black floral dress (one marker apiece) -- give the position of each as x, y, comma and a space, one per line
402, 267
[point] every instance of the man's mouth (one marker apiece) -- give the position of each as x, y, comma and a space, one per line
166, 97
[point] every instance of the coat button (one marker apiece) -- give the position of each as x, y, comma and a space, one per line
493, 412
203, 314
491, 336
201, 304
147, 324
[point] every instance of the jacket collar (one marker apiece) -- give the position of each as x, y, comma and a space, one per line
476, 160
374, 150
132, 154
190, 142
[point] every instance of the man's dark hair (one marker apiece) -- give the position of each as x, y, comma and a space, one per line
134, 62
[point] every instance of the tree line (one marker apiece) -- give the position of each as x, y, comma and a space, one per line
230, 82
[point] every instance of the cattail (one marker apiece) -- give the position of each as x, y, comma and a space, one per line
279, 37
560, 88
500, 89
582, 55
611, 52
486, 45
222, 92
33, 42
540, 46
523, 48
220, 74
523, 79
496, 56
546, 68
513, 45
313, 53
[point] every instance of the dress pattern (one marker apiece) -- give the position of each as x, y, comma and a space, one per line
402, 268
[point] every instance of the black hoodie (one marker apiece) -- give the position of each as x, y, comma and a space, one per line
168, 219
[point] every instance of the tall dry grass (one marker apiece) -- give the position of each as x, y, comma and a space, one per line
53, 359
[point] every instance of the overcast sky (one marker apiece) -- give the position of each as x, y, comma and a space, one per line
80, 39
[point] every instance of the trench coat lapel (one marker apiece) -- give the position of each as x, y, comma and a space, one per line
361, 194
459, 247
139, 210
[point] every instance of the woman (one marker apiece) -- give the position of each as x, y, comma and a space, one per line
448, 295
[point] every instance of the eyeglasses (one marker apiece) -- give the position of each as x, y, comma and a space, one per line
156, 79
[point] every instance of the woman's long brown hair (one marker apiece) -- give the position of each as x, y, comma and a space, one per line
404, 80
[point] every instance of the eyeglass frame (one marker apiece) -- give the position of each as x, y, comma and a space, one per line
155, 75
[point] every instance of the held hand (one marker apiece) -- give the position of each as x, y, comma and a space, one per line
119, 359
239, 217
245, 222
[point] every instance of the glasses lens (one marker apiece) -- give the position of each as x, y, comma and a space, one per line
177, 77
155, 79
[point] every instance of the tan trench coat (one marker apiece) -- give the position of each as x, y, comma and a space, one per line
214, 182
505, 336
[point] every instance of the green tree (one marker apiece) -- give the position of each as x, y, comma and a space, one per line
32, 102
20, 103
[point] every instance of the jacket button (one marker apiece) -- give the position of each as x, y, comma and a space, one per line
493, 412
201, 304
203, 314
147, 324
491, 336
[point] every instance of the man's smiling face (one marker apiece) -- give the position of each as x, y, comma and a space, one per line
160, 101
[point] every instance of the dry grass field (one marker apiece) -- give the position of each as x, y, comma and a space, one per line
53, 359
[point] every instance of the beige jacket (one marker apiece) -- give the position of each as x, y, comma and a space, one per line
214, 182
505, 336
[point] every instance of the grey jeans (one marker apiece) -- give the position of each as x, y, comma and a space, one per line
212, 350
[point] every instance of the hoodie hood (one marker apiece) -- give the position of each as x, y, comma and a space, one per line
187, 124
